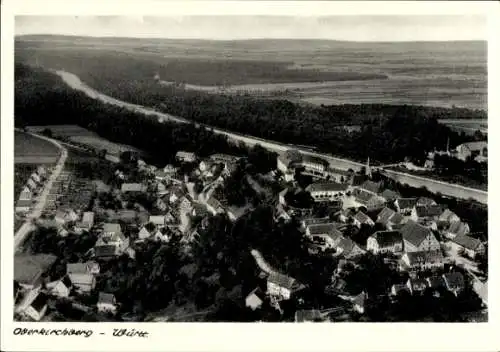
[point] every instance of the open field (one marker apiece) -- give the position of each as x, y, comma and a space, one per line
80, 135
22, 173
466, 125
32, 150
314, 71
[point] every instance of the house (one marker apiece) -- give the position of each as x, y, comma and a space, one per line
31, 184
361, 218
471, 246
214, 206
327, 232
447, 217
418, 238
224, 158
326, 191
255, 299
29, 270
372, 187
359, 303
416, 286
314, 221
348, 248
199, 210
308, 315
160, 237
426, 213
385, 241
390, 219
186, 203
234, 213
82, 275
110, 229
281, 213
37, 308
281, 286
287, 162
457, 228
435, 282
390, 195
369, 200
35, 177
42, 171
282, 196
471, 149
160, 204
158, 221
106, 303
144, 233
26, 194
111, 242
405, 206
133, 188
397, 289
86, 223
60, 288
187, 157
454, 282
161, 188
421, 260
424, 202
66, 216
23, 206
176, 194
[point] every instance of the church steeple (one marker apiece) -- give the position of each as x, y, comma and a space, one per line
368, 170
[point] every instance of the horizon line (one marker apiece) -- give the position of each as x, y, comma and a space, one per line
247, 39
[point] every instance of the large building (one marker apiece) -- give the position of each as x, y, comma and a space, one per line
292, 159
326, 191
472, 149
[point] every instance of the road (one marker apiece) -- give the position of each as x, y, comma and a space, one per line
435, 186
37, 210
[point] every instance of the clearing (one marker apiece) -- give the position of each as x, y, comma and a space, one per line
32, 150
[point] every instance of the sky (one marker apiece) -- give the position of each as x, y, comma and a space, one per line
349, 28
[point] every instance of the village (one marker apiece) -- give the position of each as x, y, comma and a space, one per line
344, 214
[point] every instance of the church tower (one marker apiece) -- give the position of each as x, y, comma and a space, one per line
368, 170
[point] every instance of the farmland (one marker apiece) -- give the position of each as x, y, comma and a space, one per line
32, 150
317, 72
82, 136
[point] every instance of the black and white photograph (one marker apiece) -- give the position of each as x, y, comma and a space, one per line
250, 168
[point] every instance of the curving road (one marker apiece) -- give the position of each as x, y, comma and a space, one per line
448, 189
37, 210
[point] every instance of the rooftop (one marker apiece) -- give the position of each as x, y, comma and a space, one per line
108, 298
467, 242
281, 280
29, 268
387, 238
373, 187
415, 258
429, 211
326, 187
415, 233
384, 215
406, 203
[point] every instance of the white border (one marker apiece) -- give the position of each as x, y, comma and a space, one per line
247, 337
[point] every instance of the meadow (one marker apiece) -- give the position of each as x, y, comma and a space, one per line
32, 150
315, 71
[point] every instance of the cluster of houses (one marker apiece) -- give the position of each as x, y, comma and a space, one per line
477, 150
31, 188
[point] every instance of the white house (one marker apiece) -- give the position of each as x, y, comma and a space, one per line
404, 206
454, 282
185, 156
281, 286
133, 188
35, 177
348, 248
106, 303
471, 246
447, 217
23, 206
385, 241
255, 299
158, 220
417, 238
37, 308
144, 233
26, 194
468, 149
361, 218
426, 213
457, 228
422, 260
326, 191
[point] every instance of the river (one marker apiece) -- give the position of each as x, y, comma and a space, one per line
447, 189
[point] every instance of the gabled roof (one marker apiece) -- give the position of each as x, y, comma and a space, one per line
415, 233
423, 257
384, 215
447, 215
224, 157
362, 217
106, 251
28, 268
435, 281
77, 268
472, 146
157, 219
304, 315
406, 203
112, 228
428, 211
425, 201
397, 219
314, 221
373, 187
458, 228
321, 229
347, 245
40, 301
326, 187
132, 187
467, 242
390, 194
108, 298
387, 238
454, 280
363, 196
290, 156
281, 280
